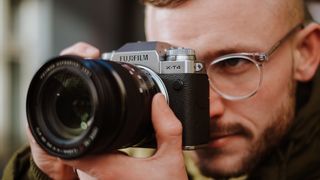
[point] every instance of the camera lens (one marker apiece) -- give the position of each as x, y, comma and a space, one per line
69, 97
77, 107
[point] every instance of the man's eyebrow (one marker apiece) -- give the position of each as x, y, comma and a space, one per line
212, 54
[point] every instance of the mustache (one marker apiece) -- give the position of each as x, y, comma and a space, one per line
234, 128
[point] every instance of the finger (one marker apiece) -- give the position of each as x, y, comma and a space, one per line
167, 127
82, 49
103, 164
29, 135
35, 147
31, 139
83, 175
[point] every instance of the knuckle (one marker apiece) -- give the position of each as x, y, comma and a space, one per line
81, 44
174, 128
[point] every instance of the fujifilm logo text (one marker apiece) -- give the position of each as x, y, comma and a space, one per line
134, 58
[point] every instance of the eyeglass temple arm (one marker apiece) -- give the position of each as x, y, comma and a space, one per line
266, 55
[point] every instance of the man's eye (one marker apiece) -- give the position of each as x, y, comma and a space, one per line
232, 63
233, 66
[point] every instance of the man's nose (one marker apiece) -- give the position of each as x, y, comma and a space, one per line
217, 106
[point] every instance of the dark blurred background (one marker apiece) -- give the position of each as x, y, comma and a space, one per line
31, 31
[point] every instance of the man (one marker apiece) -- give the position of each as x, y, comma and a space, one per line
259, 127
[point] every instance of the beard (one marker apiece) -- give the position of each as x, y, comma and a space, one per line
270, 137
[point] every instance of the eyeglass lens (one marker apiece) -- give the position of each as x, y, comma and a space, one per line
235, 77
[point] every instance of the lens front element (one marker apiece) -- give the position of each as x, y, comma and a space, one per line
70, 103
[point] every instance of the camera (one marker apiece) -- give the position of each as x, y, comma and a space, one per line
78, 106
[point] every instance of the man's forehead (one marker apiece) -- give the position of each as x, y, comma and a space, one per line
228, 10
215, 27
234, 18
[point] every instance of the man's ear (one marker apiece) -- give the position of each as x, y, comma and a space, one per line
307, 52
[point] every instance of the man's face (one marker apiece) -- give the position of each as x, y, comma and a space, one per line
241, 131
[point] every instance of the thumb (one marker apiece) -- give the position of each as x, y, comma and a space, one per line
82, 49
102, 165
167, 127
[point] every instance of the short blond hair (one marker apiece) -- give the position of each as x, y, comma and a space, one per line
297, 9
164, 3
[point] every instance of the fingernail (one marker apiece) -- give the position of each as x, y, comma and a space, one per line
161, 95
164, 98
90, 50
64, 52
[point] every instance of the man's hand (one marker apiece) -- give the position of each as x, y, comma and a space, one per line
82, 49
50, 165
166, 163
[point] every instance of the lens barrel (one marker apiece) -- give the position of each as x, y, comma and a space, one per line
77, 106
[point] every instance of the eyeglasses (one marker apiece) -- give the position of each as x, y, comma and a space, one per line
238, 76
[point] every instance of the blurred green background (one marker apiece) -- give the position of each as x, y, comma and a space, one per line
31, 31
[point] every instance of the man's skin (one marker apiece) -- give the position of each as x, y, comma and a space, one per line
241, 131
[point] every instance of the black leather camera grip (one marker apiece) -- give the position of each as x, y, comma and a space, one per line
189, 100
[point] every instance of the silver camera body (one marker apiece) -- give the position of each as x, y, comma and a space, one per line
160, 58
180, 77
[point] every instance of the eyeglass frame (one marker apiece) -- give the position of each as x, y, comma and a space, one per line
258, 58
